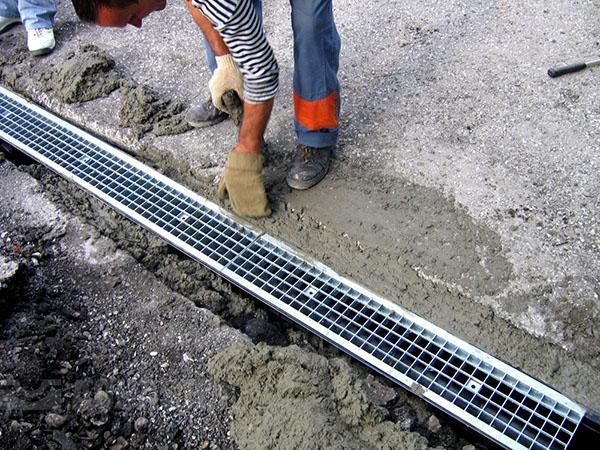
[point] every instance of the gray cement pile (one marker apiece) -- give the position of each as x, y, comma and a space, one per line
290, 398
86, 74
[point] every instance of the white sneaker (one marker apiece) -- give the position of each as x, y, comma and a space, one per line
7, 22
40, 41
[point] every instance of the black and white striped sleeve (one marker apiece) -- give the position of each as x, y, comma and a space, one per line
241, 29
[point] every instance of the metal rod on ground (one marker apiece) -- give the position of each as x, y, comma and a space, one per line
570, 68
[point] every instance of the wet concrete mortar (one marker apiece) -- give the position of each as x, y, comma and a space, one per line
456, 203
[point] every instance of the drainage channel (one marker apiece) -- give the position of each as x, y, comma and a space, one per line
503, 404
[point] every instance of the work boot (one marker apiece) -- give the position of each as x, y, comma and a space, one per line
205, 115
7, 22
309, 166
40, 41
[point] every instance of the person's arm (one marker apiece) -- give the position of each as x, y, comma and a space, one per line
241, 30
256, 114
254, 124
242, 33
216, 42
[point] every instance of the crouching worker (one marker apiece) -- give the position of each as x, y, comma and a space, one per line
245, 63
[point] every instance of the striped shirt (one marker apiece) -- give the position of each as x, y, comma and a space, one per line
241, 29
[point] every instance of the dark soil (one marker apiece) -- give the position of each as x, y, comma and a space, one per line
95, 352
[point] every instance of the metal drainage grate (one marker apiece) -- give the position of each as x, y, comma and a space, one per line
488, 395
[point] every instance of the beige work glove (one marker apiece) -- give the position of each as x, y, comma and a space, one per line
242, 179
226, 77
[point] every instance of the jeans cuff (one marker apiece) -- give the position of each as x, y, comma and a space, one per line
318, 138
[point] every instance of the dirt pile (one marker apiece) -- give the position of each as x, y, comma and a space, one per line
84, 75
291, 398
144, 111
89, 73
13, 64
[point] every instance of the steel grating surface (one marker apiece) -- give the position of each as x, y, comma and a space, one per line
488, 395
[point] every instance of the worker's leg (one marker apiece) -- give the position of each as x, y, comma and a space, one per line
8, 9
9, 15
316, 62
38, 18
316, 90
36, 14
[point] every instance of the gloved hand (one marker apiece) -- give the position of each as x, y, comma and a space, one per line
242, 179
226, 77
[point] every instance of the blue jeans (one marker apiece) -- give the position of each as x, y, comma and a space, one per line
316, 62
33, 13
